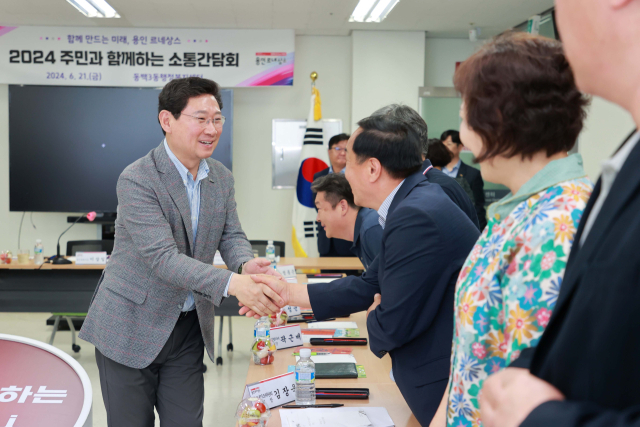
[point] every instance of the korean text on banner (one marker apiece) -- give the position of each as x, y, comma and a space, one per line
148, 57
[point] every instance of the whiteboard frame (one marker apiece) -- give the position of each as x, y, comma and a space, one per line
297, 145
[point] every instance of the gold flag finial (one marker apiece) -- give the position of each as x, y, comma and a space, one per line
314, 77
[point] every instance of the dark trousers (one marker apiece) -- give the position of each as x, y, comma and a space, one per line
173, 383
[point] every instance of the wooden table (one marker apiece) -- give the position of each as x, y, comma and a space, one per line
328, 263
383, 391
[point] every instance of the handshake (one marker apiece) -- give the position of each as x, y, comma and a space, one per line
260, 289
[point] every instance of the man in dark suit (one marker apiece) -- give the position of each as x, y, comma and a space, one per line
408, 289
584, 371
449, 185
332, 247
459, 169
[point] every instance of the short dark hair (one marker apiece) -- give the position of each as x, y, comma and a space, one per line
520, 96
393, 142
454, 134
409, 115
337, 139
175, 95
335, 187
438, 154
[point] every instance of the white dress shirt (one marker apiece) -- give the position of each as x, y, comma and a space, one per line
610, 170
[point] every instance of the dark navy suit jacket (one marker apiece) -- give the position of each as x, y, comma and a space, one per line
330, 247
453, 190
424, 244
367, 236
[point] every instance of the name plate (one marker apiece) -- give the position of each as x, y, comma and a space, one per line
287, 336
274, 391
292, 310
88, 258
288, 272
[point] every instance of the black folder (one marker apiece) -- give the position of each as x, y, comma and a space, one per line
336, 370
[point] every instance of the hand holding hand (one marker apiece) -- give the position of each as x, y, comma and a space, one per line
377, 299
257, 297
261, 266
508, 397
270, 285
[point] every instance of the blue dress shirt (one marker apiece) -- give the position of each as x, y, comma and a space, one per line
383, 210
193, 194
454, 170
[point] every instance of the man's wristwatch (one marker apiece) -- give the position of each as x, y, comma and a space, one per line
240, 268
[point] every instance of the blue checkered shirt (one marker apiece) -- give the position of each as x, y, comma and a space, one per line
384, 207
193, 194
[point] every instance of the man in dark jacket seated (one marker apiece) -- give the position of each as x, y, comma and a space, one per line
331, 246
409, 288
339, 216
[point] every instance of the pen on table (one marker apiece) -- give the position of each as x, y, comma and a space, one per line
316, 321
328, 405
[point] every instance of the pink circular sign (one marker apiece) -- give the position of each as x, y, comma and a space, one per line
41, 385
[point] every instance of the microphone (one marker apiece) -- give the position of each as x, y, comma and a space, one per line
61, 259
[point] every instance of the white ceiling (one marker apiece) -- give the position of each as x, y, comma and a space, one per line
440, 18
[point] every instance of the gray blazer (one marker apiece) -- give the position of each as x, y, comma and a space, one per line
141, 292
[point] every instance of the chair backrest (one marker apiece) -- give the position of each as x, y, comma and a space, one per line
261, 247
74, 246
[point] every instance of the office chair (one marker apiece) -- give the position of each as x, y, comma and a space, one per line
74, 246
261, 247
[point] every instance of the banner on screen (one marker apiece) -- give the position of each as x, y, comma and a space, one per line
81, 56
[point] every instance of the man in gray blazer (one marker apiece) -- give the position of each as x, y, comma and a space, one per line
153, 312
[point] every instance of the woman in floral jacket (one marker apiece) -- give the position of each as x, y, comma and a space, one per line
521, 114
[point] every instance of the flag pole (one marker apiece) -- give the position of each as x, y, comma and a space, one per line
314, 77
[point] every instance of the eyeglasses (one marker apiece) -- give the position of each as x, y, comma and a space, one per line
338, 149
217, 122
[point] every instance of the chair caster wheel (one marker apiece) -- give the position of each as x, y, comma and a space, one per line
230, 347
219, 361
204, 368
75, 348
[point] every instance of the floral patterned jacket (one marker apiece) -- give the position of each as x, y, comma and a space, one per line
509, 284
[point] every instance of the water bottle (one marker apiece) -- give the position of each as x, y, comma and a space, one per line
305, 379
263, 348
271, 253
38, 256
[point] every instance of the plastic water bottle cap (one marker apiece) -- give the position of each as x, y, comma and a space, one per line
305, 352
264, 318
271, 242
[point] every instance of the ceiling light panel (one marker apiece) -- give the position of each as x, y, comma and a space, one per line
362, 10
372, 10
381, 10
94, 8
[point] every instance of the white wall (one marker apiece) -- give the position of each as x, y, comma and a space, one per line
264, 213
607, 125
388, 67
440, 57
